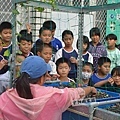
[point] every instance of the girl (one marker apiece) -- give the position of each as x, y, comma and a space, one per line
87, 57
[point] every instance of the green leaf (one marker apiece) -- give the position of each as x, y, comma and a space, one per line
39, 9
18, 34
19, 23
16, 12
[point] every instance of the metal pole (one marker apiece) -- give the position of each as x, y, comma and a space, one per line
12, 61
80, 43
92, 105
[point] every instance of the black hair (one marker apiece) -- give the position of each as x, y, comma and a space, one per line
85, 41
65, 32
62, 60
88, 64
103, 60
116, 70
94, 31
42, 29
111, 36
23, 87
24, 35
49, 24
5, 25
42, 46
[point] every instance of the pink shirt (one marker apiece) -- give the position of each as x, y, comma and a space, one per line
48, 103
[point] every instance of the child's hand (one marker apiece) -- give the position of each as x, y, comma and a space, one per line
110, 80
3, 63
28, 26
55, 76
73, 60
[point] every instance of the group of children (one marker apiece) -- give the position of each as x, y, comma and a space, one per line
98, 60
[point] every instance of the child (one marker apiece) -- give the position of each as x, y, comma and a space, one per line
30, 93
55, 43
68, 52
113, 84
6, 35
102, 75
113, 53
25, 43
63, 69
87, 71
45, 35
87, 57
44, 50
96, 48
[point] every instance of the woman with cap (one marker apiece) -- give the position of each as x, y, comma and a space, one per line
29, 100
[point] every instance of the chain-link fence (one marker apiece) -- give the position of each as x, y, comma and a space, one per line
29, 14
6, 10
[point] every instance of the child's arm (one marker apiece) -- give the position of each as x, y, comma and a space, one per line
101, 83
28, 27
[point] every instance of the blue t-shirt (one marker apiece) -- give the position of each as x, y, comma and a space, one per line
96, 79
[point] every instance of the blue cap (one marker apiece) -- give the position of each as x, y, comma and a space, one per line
34, 66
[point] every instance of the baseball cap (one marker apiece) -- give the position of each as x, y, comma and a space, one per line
34, 66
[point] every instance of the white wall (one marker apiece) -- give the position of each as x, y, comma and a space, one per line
70, 21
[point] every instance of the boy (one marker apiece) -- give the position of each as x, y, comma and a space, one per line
102, 76
6, 35
113, 53
44, 50
68, 52
87, 71
96, 48
25, 43
45, 35
55, 43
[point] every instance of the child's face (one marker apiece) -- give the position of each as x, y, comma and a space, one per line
68, 40
111, 42
6, 35
116, 79
63, 69
84, 46
1, 45
87, 68
46, 54
95, 38
46, 36
25, 47
86, 72
105, 68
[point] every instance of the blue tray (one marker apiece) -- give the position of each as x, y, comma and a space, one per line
113, 95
